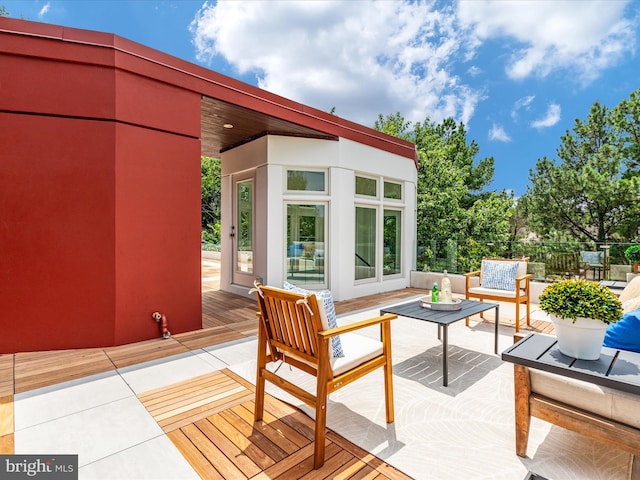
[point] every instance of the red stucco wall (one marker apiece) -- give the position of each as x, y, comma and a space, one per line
99, 198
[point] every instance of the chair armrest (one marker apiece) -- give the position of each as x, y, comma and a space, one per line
467, 279
332, 332
526, 279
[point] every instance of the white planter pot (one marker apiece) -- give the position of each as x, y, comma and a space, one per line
580, 339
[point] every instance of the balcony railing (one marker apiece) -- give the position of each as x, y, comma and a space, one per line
547, 260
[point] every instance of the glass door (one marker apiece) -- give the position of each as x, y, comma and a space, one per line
306, 252
243, 233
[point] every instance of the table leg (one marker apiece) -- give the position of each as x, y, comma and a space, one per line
439, 331
495, 347
445, 367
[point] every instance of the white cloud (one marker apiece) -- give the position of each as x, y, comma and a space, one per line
498, 133
44, 10
474, 71
521, 103
364, 58
550, 119
584, 37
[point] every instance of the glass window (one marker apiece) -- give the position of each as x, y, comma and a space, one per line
300, 180
244, 234
393, 190
366, 186
392, 242
305, 244
365, 261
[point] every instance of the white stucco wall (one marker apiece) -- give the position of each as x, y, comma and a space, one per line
267, 160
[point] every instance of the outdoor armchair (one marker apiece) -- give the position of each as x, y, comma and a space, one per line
501, 280
293, 329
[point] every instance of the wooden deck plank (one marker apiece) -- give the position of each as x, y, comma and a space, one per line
6, 415
194, 456
212, 453
6, 374
146, 351
259, 456
40, 369
191, 400
7, 444
237, 454
246, 411
251, 428
253, 436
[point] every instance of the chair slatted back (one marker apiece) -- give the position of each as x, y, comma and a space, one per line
292, 322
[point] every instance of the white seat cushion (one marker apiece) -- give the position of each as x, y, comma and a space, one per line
492, 291
358, 349
606, 402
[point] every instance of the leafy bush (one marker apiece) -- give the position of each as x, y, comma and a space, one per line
571, 299
633, 253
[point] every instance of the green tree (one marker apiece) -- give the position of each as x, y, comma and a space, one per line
3, 11
625, 118
211, 189
452, 204
587, 194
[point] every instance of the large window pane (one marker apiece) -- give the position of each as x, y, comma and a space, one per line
366, 186
365, 261
392, 242
244, 222
300, 180
305, 244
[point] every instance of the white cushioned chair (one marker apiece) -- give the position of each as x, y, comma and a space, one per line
501, 280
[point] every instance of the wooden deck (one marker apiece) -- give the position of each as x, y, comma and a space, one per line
209, 418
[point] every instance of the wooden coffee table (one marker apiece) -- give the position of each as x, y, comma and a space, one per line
444, 318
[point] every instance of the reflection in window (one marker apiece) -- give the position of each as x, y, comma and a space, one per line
365, 261
300, 180
305, 244
366, 186
393, 190
392, 242
244, 234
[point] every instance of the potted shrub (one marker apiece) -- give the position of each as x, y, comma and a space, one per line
580, 311
632, 254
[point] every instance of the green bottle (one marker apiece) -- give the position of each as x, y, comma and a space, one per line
434, 293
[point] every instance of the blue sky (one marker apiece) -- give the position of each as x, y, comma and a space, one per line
516, 72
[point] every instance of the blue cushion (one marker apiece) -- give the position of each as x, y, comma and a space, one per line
592, 258
499, 275
625, 333
329, 310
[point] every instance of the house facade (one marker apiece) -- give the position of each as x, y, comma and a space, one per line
100, 146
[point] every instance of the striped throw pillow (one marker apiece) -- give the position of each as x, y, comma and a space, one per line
499, 275
325, 299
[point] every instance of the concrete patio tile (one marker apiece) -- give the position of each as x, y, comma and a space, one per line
56, 401
155, 459
92, 434
237, 351
165, 371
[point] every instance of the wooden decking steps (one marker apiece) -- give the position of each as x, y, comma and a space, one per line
210, 420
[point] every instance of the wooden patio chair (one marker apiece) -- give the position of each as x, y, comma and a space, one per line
509, 284
291, 330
